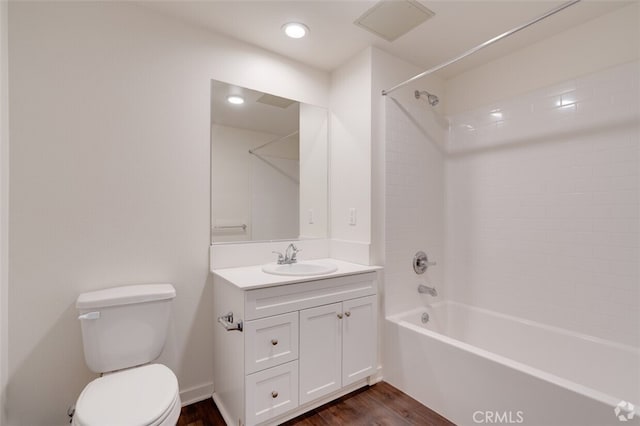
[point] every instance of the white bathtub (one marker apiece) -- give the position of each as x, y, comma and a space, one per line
476, 366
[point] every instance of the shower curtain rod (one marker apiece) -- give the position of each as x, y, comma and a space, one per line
482, 46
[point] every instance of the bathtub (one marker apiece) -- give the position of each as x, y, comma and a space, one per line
475, 366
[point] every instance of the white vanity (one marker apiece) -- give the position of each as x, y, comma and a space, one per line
292, 343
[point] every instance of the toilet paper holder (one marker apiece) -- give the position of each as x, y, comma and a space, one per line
227, 322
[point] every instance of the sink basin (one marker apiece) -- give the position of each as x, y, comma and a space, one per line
300, 268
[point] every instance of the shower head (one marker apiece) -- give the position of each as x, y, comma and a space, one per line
432, 99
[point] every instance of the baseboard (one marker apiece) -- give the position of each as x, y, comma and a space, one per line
196, 393
376, 377
225, 414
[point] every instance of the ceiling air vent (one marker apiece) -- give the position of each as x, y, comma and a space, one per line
391, 19
275, 101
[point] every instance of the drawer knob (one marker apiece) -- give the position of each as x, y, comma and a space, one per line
348, 313
274, 342
339, 316
274, 394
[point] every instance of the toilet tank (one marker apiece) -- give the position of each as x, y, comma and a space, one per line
124, 326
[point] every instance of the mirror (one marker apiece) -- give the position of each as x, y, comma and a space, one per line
268, 166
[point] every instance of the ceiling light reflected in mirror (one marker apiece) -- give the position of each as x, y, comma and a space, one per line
235, 99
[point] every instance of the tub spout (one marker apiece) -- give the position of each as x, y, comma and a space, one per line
423, 289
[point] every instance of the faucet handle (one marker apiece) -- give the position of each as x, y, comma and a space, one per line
295, 252
290, 253
421, 262
424, 262
280, 257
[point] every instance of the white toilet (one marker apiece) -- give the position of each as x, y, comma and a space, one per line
123, 330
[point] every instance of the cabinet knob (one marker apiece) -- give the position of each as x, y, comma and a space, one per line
348, 313
274, 342
274, 394
339, 316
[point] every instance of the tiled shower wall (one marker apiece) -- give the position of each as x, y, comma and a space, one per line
414, 201
542, 206
529, 206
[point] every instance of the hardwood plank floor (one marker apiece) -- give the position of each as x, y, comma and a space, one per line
380, 405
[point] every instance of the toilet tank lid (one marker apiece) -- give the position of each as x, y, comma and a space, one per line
125, 295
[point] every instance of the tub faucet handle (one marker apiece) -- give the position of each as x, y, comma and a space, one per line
421, 262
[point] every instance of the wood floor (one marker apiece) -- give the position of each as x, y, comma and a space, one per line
380, 404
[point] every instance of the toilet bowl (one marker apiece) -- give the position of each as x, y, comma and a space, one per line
145, 396
123, 330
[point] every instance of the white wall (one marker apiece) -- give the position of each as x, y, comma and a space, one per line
4, 204
543, 205
608, 40
411, 134
275, 200
230, 180
233, 178
314, 171
110, 180
387, 71
357, 155
395, 234
350, 158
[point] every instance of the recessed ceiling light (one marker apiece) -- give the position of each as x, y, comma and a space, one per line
235, 99
295, 29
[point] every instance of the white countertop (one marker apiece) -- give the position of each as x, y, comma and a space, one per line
252, 277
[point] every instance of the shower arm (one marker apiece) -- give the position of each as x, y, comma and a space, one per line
482, 46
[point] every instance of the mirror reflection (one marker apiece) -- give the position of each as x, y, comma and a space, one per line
268, 166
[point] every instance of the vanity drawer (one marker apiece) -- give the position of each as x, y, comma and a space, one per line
276, 300
270, 341
271, 392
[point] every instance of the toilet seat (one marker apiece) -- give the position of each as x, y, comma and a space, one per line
140, 396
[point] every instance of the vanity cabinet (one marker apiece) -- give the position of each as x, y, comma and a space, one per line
337, 346
301, 345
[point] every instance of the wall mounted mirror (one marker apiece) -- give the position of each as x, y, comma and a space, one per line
268, 166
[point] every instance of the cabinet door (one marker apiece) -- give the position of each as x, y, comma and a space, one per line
320, 351
359, 339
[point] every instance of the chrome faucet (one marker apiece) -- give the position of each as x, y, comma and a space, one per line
423, 289
291, 253
289, 256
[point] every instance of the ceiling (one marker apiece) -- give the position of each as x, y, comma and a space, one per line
253, 114
456, 27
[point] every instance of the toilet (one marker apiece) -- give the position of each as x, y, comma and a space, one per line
123, 330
